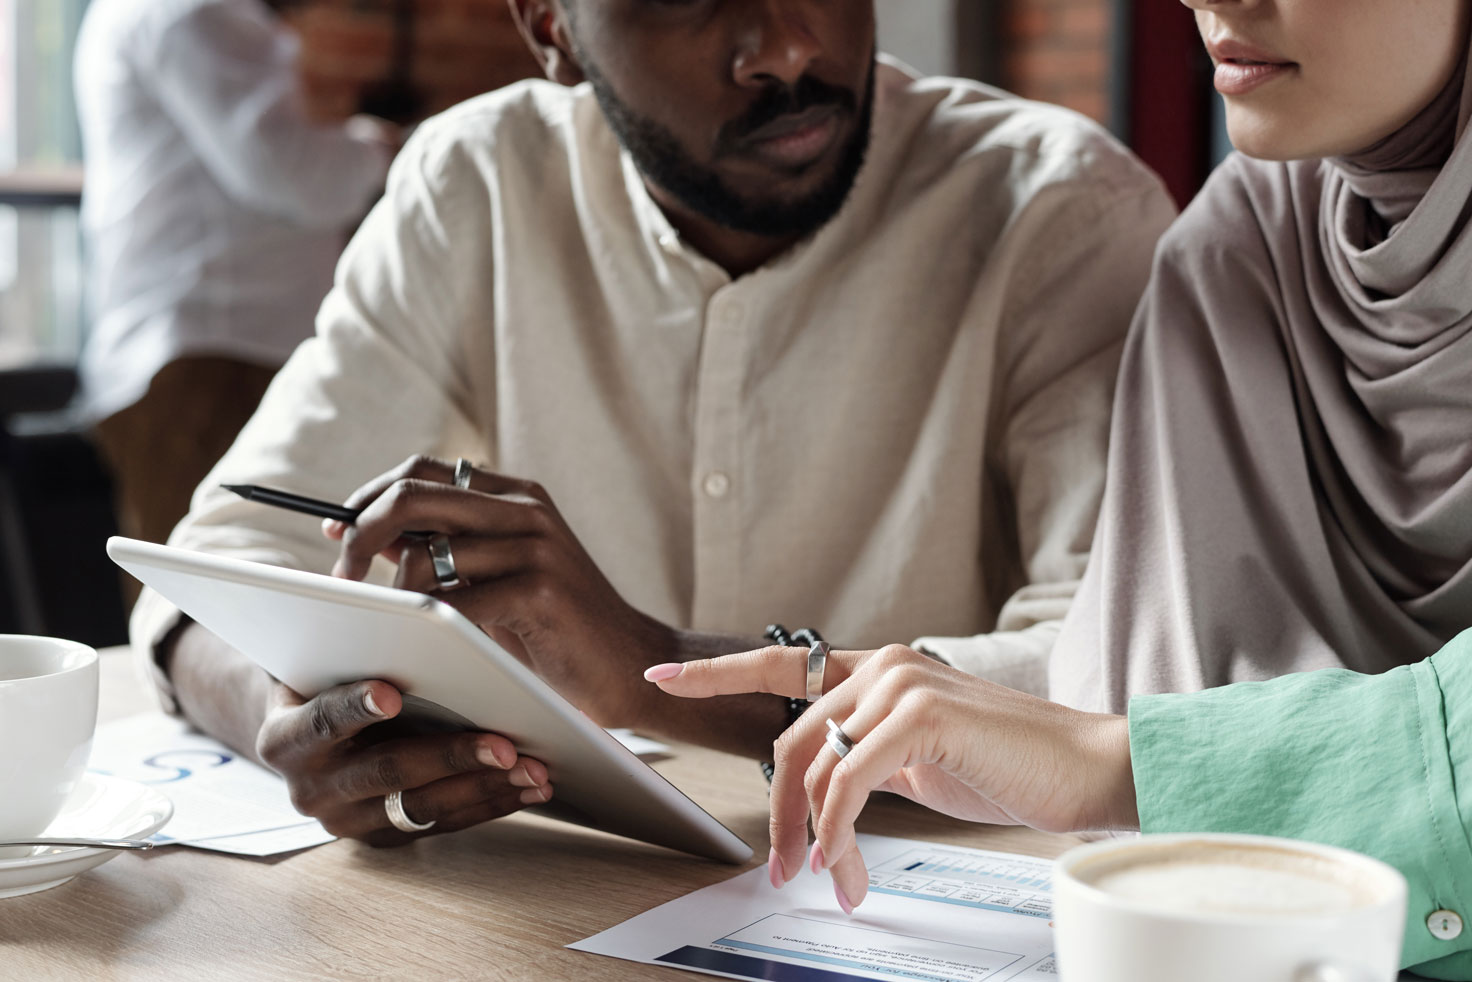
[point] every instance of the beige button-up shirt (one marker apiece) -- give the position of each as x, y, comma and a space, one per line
215, 209
896, 430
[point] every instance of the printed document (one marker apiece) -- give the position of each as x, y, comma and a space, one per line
934, 914
222, 801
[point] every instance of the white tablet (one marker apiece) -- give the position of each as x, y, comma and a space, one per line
314, 632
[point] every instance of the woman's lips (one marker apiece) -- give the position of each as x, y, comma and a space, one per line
1242, 67
1242, 77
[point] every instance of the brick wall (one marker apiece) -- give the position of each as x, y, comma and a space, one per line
1058, 51
461, 48
1054, 50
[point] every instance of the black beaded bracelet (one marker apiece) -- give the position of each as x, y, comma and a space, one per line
804, 637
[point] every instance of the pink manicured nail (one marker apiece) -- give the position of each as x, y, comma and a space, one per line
775, 873
371, 704
815, 858
663, 673
848, 908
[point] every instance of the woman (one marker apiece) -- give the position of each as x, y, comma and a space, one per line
1290, 474
1290, 488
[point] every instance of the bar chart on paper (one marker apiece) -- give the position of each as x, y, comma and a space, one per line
934, 913
1010, 884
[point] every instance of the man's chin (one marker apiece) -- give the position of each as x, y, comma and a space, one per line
778, 202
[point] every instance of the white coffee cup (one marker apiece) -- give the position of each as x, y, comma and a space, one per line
1226, 908
48, 711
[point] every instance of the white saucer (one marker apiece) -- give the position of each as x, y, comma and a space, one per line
102, 807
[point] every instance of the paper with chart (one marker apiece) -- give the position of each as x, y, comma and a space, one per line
222, 801
934, 914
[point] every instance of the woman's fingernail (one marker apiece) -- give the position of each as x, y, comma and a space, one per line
815, 858
663, 673
848, 908
521, 778
371, 704
332, 528
775, 872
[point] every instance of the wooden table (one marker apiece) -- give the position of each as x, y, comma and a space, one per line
496, 902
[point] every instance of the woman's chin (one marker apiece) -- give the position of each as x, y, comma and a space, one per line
1283, 136
1271, 138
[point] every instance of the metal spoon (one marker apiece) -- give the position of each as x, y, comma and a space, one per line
88, 843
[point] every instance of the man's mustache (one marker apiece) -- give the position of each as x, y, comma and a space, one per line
779, 100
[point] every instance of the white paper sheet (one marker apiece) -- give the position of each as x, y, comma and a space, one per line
268, 843
934, 914
640, 746
222, 801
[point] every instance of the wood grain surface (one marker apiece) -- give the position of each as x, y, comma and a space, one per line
496, 902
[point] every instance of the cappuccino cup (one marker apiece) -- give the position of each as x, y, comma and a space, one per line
1224, 908
48, 710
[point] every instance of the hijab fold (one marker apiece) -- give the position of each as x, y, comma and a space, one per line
1290, 472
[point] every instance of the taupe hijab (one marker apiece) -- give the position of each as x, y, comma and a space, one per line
1290, 468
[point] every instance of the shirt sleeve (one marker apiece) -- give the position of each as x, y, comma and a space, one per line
1379, 764
382, 380
225, 73
1076, 292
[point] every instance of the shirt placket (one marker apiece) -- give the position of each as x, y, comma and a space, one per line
715, 483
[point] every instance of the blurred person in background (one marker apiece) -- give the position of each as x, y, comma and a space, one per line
215, 209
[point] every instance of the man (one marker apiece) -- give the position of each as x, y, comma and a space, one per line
751, 328
215, 211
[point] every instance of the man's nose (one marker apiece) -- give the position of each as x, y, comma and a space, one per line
776, 43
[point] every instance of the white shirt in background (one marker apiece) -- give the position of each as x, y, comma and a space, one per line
214, 211
897, 429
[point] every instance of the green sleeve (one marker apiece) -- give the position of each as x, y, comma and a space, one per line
1365, 762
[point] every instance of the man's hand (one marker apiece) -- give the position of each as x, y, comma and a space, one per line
525, 580
336, 774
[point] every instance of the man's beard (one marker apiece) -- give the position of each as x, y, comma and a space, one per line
662, 160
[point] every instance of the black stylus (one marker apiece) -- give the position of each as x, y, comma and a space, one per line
305, 505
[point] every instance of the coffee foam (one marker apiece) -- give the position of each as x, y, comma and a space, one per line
1215, 878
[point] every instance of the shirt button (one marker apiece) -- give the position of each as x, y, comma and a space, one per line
1445, 925
669, 242
716, 484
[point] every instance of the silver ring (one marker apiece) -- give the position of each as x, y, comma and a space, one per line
463, 472
398, 818
837, 740
817, 662
443, 560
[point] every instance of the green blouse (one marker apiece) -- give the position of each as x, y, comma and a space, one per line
1381, 764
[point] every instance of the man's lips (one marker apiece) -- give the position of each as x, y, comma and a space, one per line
1241, 67
797, 139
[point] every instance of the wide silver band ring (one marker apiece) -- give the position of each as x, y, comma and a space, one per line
443, 561
817, 662
837, 740
463, 472
398, 818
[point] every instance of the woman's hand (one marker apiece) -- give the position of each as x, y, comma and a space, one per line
951, 741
